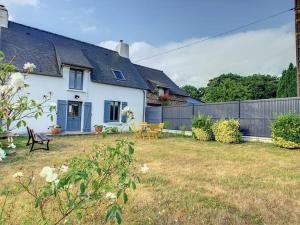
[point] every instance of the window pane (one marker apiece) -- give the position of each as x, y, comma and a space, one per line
116, 116
72, 79
79, 80
119, 75
111, 115
74, 109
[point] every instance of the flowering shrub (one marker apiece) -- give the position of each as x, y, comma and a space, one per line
202, 128
286, 130
227, 131
75, 190
16, 106
165, 97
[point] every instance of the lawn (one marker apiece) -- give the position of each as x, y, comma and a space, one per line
189, 182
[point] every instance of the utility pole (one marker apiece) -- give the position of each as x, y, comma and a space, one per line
297, 29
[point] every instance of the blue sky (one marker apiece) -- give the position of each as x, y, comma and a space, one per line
151, 27
156, 22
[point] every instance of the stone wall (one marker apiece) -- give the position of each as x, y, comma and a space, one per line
153, 99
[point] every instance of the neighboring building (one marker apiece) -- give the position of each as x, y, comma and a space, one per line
193, 101
163, 91
90, 84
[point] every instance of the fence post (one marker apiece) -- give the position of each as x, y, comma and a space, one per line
162, 114
239, 115
193, 111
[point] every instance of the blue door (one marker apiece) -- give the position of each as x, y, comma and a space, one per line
74, 116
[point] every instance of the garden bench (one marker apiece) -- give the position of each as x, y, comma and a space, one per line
34, 138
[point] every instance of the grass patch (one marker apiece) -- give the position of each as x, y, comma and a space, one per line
189, 182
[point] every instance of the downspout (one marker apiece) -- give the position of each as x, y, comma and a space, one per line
144, 105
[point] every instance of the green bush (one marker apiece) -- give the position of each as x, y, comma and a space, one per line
227, 131
202, 128
286, 130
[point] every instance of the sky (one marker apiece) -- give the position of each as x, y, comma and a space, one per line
152, 27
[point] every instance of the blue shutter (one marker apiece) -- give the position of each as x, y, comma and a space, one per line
61, 114
124, 117
106, 111
87, 117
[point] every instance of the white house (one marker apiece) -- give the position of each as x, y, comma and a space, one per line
90, 84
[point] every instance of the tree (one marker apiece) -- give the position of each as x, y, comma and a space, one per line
194, 92
227, 87
287, 86
261, 86
16, 105
232, 87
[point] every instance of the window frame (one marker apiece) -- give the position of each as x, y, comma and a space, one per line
113, 71
112, 111
77, 72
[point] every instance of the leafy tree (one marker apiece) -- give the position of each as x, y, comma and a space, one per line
232, 87
194, 92
261, 86
227, 87
287, 86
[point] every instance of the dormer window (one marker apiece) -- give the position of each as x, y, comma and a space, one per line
76, 79
118, 75
163, 91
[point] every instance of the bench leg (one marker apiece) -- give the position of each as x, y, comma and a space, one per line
32, 147
48, 145
28, 142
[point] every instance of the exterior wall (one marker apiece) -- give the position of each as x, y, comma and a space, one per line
96, 93
153, 99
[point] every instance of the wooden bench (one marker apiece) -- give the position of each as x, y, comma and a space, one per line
34, 138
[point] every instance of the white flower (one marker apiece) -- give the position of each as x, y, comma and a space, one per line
110, 195
17, 80
144, 169
29, 67
64, 168
4, 89
56, 182
49, 174
18, 174
52, 104
2, 154
12, 145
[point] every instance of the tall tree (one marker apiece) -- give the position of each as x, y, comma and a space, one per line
232, 87
194, 92
287, 86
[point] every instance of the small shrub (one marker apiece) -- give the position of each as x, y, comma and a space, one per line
286, 131
202, 128
227, 131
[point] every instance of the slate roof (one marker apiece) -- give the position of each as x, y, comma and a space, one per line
48, 51
157, 78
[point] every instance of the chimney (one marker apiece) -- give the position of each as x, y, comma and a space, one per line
3, 16
123, 49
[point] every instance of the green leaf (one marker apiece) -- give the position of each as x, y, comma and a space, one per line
131, 149
119, 217
125, 197
82, 188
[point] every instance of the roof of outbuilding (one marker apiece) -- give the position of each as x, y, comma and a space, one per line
48, 51
157, 78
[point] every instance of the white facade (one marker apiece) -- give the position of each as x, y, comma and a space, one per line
93, 92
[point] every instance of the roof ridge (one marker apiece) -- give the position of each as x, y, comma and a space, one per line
148, 67
60, 35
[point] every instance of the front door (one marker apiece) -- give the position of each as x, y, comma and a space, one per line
74, 116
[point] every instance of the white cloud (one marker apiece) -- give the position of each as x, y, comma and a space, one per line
85, 28
266, 51
21, 2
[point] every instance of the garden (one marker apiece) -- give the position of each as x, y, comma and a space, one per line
139, 177
188, 182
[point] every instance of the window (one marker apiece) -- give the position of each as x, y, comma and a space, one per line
119, 75
163, 91
74, 109
114, 111
76, 79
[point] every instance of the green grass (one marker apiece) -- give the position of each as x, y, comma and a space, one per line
189, 182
